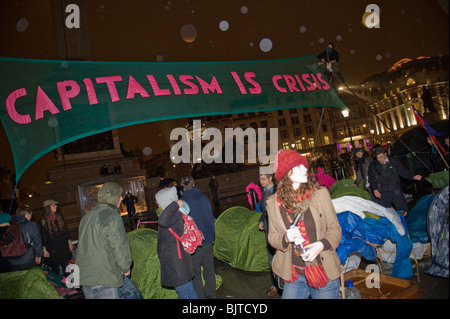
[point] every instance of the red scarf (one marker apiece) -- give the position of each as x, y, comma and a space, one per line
314, 272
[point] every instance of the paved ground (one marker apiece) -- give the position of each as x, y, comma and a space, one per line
239, 284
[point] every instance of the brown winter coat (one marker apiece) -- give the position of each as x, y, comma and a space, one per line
327, 227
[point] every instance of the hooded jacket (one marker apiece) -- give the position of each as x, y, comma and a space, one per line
32, 239
201, 212
175, 271
103, 248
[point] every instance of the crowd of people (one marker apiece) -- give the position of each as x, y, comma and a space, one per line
298, 217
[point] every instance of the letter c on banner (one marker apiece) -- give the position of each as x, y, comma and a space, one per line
11, 108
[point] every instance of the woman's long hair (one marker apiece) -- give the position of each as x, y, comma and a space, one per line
53, 227
289, 196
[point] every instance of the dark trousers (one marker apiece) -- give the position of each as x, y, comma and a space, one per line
396, 198
203, 256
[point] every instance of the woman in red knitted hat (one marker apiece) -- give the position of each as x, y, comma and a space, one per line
305, 231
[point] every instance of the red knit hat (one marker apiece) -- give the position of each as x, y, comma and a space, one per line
286, 160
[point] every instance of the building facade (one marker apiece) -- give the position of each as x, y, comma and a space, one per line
392, 94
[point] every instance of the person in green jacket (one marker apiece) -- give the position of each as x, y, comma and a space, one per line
104, 253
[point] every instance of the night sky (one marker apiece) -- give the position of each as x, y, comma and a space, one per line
233, 30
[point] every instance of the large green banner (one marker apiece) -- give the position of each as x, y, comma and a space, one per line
46, 104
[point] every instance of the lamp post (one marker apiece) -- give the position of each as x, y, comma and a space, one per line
345, 113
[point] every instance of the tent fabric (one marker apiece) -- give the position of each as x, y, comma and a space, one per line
239, 242
146, 269
360, 206
49, 103
417, 219
438, 179
357, 233
346, 187
27, 284
438, 230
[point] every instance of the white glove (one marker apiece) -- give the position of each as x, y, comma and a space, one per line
292, 234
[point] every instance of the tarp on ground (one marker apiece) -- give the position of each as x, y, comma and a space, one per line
239, 242
358, 234
361, 206
417, 219
438, 229
146, 269
27, 284
46, 104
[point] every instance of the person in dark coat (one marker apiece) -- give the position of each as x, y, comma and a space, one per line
269, 187
57, 245
5, 218
214, 186
175, 272
427, 100
129, 201
32, 239
201, 212
363, 161
330, 59
384, 179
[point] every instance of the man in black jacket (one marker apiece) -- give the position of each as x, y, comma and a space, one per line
384, 179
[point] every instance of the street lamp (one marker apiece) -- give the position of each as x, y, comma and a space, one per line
345, 113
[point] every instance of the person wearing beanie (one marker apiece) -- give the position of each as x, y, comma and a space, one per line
175, 271
103, 254
304, 230
55, 238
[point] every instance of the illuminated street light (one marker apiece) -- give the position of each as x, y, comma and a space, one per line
345, 113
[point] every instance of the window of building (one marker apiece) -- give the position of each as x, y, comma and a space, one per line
284, 134
285, 145
254, 125
298, 144
307, 118
297, 132
309, 130
280, 112
324, 127
292, 111
294, 120
326, 140
281, 122
264, 123
310, 142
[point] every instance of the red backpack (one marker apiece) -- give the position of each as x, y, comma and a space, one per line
192, 236
12, 244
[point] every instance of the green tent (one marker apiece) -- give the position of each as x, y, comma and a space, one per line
345, 187
239, 242
27, 284
146, 270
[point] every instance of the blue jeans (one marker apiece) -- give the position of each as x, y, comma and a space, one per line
101, 292
299, 289
186, 291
